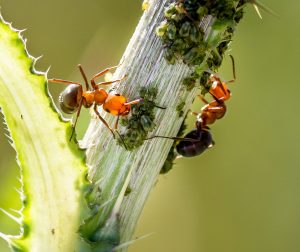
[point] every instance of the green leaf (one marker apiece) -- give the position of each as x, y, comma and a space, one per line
53, 169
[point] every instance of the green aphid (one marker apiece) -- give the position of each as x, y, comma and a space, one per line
148, 93
204, 82
135, 110
127, 191
199, 69
170, 10
176, 17
185, 29
124, 121
194, 56
195, 34
189, 83
179, 108
92, 196
179, 44
202, 11
147, 123
131, 139
218, 30
161, 29
134, 123
168, 165
171, 31
170, 56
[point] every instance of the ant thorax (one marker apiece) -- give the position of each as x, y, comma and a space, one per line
88, 98
100, 96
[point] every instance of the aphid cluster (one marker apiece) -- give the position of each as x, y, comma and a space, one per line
184, 38
141, 120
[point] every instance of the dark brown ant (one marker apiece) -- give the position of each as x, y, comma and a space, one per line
73, 98
198, 140
193, 143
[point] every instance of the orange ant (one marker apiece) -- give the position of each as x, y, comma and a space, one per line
198, 140
73, 98
216, 109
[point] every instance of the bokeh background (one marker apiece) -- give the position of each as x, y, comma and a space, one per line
240, 196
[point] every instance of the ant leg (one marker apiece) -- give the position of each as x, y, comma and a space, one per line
122, 139
63, 81
100, 74
214, 109
116, 128
203, 99
175, 138
195, 113
110, 82
117, 122
156, 106
77, 115
102, 120
84, 77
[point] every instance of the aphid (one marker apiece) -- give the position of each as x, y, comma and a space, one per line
198, 140
74, 97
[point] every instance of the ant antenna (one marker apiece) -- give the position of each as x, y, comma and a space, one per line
84, 76
233, 67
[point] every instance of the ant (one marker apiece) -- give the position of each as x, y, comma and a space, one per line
198, 140
74, 97
216, 109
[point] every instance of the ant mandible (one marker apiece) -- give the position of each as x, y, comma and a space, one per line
73, 98
198, 140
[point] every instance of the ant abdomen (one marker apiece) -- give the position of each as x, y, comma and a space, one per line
68, 99
188, 148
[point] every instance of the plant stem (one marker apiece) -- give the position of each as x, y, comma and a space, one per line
114, 169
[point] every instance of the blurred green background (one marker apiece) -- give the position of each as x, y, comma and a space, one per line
240, 196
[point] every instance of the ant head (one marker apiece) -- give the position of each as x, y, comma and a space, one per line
219, 90
125, 110
69, 99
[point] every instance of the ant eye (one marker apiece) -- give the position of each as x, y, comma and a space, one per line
68, 99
